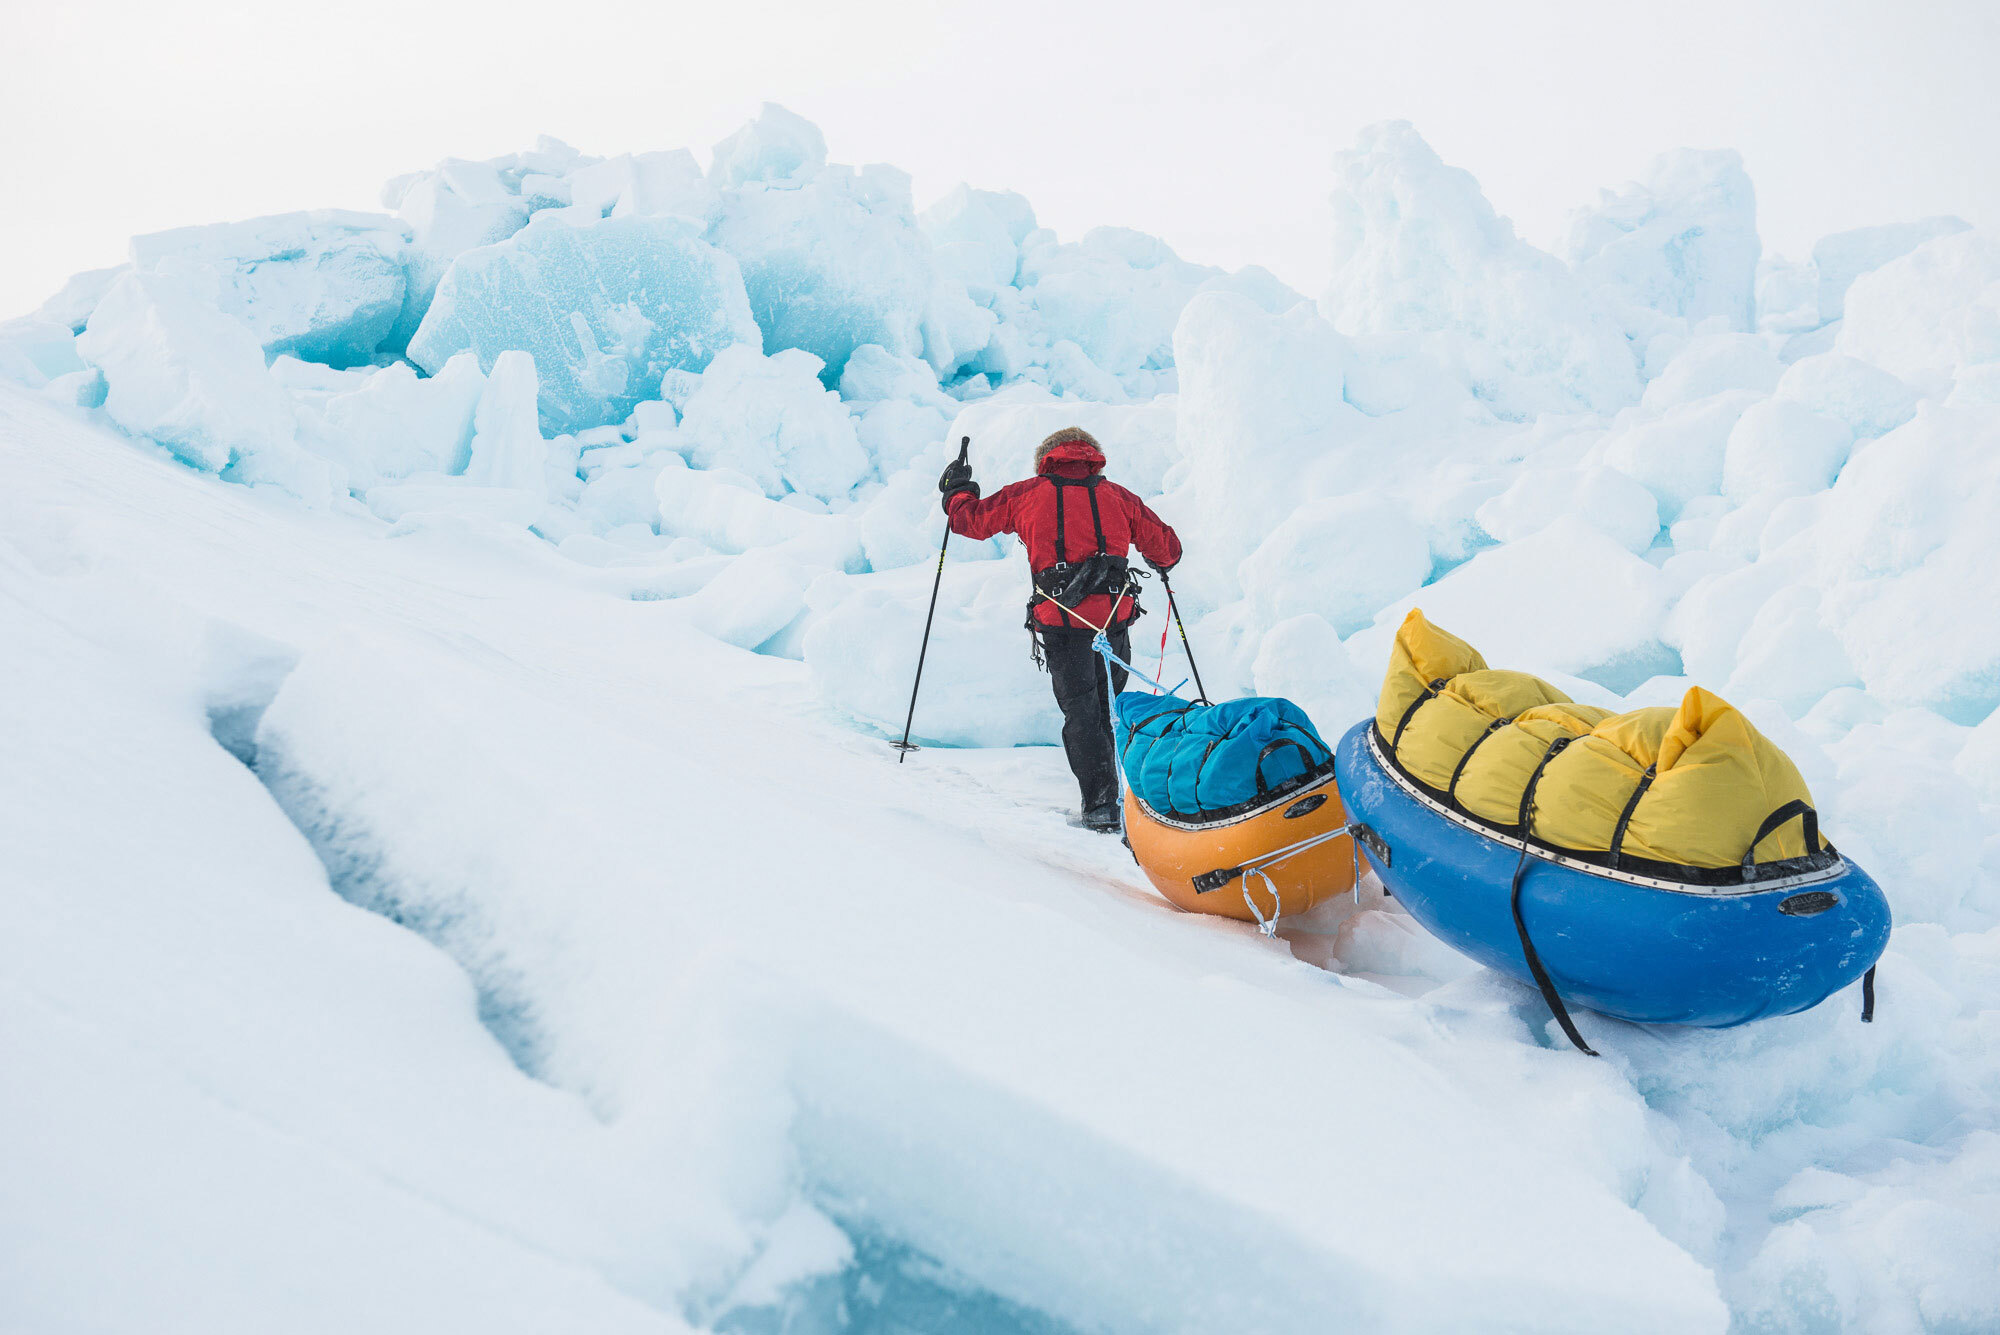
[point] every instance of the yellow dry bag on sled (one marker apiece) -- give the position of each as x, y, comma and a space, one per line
1681, 788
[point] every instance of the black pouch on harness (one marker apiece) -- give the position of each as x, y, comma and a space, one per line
1070, 582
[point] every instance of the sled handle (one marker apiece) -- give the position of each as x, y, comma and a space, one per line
1809, 820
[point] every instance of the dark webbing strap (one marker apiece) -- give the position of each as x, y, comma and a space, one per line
1430, 692
1625, 816
1550, 996
1062, 541
1062, 550
1451, 789
1089, 486
1173, 756
1535, 779
1200, 769
1868, 996
1796, 807
1097, 524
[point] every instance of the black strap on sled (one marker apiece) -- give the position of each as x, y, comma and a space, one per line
1868, 996
1451, 789
1809, 821
1625, 816
1534, 781
1550, 996
1144, 728
1430, 693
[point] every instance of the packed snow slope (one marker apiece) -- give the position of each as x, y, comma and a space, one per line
454, 878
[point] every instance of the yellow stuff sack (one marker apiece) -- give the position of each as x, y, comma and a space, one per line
1497, 771
1715, 779
1421, 655
1710, 778
1458, 715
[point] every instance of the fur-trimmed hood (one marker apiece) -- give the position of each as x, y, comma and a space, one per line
1070, 452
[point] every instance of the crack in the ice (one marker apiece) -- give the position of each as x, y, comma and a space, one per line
200, 1088
358, 871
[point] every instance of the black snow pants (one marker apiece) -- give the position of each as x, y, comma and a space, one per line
1077, 672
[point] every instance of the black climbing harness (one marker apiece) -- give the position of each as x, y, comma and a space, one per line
1068, 583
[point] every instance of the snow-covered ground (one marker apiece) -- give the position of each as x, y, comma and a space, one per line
453, 876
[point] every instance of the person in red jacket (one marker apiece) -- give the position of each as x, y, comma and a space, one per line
1077, 528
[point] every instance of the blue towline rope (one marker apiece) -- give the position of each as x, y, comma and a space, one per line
1102, 643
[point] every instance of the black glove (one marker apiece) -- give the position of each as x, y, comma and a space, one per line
956, 479
957, 476
1161, 570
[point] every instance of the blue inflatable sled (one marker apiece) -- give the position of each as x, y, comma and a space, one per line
1631, 946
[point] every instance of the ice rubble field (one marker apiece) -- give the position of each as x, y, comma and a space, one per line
454, 878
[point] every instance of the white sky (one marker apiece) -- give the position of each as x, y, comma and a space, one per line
1210, 125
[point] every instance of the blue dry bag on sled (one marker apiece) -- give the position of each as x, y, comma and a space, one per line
1194, 762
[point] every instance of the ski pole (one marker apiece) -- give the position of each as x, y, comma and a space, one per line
1200, 690
904, 747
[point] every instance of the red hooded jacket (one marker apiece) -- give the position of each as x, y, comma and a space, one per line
1027, 509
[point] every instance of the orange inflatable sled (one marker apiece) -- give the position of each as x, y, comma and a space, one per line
1277, 860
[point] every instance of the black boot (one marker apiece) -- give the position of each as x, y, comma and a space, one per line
1105, 820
